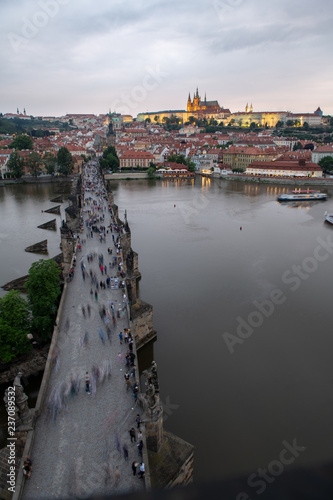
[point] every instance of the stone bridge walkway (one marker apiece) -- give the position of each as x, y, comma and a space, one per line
79, 438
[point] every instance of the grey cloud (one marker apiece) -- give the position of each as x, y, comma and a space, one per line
195, 41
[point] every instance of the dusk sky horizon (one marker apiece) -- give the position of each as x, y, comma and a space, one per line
66, 56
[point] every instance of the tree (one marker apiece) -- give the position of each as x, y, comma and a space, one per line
253, 125
279, 124
177, 159
326, 164
14, 326
175, 119
37, 133
22, 142
147, 120
290, 123
109, 159
182, 161
65, 161
156, 118
190, 164
110, 150
306, 126
49, 161
297, 146
113, 162
151, 172
15, 165
43, 292
34, 162
191, 119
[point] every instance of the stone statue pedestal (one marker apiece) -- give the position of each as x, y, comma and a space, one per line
23, 414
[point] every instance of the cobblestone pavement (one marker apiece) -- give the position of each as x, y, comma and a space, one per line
78, 450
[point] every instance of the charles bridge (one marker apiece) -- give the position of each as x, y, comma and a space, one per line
78, 442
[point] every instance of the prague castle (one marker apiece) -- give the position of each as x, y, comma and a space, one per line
203, 107
197, 108
200, 109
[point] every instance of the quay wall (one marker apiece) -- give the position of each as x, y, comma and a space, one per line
315, 182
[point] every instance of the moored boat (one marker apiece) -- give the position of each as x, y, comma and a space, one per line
302, 195
329, 218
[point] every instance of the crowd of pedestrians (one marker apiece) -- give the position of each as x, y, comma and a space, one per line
101, 272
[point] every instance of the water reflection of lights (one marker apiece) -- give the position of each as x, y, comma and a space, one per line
205, 183
167, 183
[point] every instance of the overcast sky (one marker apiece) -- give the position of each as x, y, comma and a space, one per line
85, 56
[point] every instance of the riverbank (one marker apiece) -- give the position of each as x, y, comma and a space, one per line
28, 179
126, 175
273, 180
231, 177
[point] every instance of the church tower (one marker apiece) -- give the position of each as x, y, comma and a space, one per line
196, 101
189, 104
251, 108
247, 108
110, 135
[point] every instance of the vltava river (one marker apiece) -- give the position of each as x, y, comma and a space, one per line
22, 210
272, 382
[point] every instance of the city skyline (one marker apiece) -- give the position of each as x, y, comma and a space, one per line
61, 56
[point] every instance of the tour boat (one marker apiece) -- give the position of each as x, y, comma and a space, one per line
302, 195
329, 218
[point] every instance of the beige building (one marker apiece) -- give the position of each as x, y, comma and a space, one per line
271, 118
134, 159
299, 168
322, 151
242, 157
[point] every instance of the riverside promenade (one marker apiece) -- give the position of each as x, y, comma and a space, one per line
81, 439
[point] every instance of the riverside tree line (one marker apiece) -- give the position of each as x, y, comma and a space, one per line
24, 319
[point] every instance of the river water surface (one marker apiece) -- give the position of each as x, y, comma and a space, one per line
204, 276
